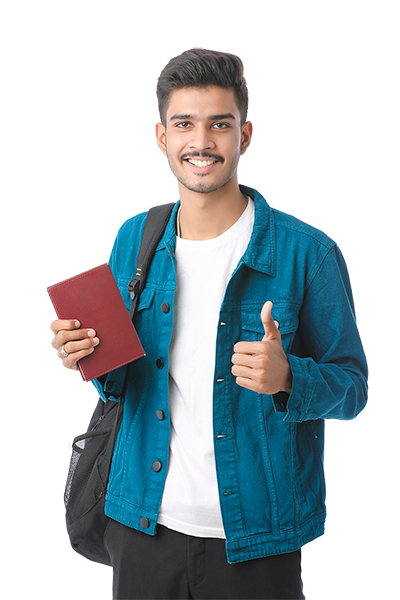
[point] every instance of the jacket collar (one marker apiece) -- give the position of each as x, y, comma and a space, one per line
261, 251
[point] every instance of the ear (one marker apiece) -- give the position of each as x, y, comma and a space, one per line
247, 132
161, 138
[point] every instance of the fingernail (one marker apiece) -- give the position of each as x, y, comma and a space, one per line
96, 341
91, 333
77, 324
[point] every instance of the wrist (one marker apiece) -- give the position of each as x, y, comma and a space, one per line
288, 380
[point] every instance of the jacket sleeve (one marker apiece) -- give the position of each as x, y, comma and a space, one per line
110, 385
329, 365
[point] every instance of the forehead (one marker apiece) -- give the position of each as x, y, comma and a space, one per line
202, 102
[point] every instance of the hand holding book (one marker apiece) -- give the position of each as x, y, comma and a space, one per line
73, 343
90, 309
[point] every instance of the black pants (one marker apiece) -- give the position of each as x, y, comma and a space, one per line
173, 565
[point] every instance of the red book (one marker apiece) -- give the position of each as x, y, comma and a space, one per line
93, 298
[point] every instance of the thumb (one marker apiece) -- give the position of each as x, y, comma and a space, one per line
271, 330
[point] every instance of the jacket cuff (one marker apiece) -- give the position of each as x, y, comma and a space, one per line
110, 385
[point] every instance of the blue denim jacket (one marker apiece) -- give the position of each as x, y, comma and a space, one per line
268, 449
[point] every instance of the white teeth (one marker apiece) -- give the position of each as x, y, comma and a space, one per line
201, 163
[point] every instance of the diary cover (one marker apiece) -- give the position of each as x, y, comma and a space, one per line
93, 298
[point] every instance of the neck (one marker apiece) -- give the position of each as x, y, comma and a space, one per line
206, 216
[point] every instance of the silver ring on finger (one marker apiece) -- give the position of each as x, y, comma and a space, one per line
63, 351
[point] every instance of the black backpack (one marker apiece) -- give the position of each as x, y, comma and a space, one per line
92, 452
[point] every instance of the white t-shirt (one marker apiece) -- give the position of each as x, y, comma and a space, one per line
190, 502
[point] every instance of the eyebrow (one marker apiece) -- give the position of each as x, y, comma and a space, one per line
179, 117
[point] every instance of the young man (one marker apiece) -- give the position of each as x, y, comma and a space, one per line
251, 342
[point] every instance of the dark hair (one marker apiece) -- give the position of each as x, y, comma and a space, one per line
201, 68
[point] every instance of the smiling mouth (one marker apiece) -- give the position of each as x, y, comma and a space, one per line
201, 163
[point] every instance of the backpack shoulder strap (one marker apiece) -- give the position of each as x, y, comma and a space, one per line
156, 222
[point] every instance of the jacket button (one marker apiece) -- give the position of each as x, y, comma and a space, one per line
160, 415
157, 466
145, 523
277, 324
165, 307
159, 363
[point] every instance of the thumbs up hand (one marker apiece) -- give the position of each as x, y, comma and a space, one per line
263, 366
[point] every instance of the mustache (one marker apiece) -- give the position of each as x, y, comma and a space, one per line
203, 155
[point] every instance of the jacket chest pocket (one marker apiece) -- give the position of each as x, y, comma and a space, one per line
286, 319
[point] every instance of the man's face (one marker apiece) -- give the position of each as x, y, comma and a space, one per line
202, 138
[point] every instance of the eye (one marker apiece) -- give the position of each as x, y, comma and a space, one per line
220, 125
183, 124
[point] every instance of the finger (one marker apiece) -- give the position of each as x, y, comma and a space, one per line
74, 347
64, 336
244, 360
247, 383
70, 362
242, 371
270, 329
254, 368
60, 324
250, 348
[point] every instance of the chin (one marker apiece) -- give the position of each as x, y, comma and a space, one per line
204, 187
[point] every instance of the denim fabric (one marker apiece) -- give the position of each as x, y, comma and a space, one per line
268, 450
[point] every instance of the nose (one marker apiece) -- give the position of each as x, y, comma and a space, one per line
202, 139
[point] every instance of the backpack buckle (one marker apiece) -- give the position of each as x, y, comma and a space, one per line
133, 286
